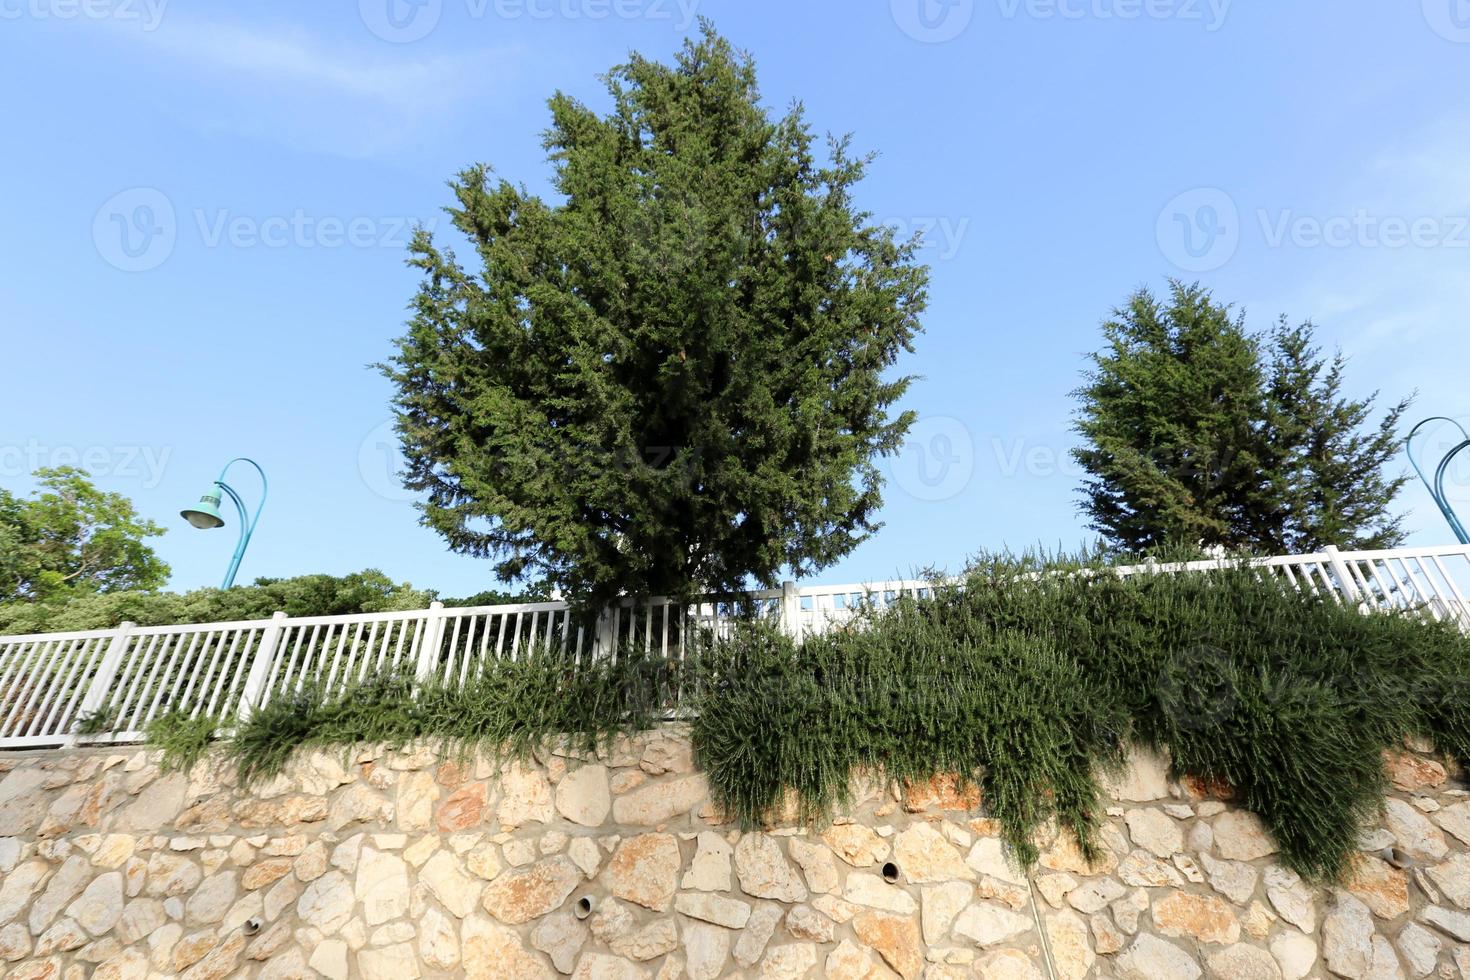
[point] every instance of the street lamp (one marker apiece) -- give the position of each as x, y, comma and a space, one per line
205, 514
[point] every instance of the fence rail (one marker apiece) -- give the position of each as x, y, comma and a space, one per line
107, 685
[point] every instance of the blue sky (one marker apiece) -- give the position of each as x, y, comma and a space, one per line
205, 208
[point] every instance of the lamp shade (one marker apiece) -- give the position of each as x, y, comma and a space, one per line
205, 514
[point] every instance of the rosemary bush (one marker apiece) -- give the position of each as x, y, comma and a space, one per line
183, 739
1032, 678
507, 710
903, 700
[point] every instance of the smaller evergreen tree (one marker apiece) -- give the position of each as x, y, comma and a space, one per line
1202, 433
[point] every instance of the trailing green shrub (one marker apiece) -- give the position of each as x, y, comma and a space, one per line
1032, 676
183, 739
508, 710
902, 700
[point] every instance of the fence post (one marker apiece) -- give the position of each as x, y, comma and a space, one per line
604, 644
429, 648
791, 609
1343, 575
260, 669
101, 686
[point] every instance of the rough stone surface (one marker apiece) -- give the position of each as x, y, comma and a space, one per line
1453, 879
895, 938
583, 797
1239, 836
856, 844
816, 863
1420, 949
1152, 958
490, 952
1156, 832
561, 937
874, 892
923, 856
645, 870
446, 881
1236, 880
1145, 779
1201, 917
1454, 924
764, 871
1242, 962
658, 802
1291, 898
525, 797
1347, 937
1008, 964
728, 912
1070, 947
1295, 955
1384, 889
525, 895
400, 864
710, 869
1455, 820
100, 905
987, 925
940, 905
1410, 773
1413, 831
706, 950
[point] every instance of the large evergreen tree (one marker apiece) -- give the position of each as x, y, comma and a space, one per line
674, 376
1200, 433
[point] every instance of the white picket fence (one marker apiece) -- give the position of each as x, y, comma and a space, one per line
129, 675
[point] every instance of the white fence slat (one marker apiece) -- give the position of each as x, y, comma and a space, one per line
99, 691
428, 653
80, 653
257, 688
15, 687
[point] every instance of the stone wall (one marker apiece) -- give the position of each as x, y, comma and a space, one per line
401, 865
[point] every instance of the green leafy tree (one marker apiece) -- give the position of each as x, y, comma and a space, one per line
675, 376
1199, 432
71, 537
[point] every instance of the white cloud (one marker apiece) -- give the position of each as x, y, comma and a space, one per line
284, 84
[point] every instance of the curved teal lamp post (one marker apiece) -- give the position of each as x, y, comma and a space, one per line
205, 515
1436, 485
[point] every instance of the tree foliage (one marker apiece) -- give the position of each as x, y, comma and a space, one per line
1200, 432
70, 538
305, 595
676, 375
